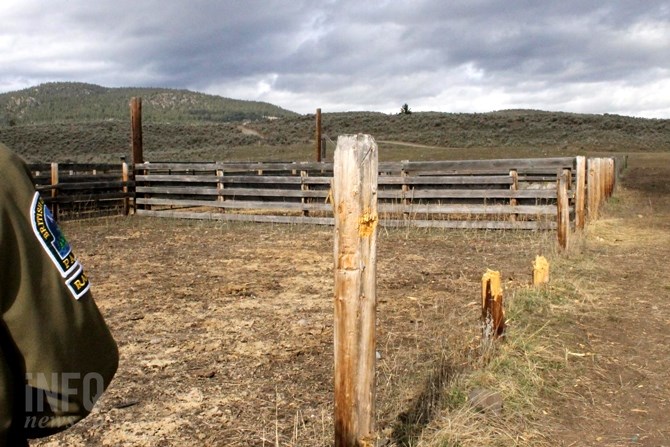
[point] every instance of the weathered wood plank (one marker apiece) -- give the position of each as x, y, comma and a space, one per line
447, 180
237, 204
505, 165
470, 224
237, 217
467, 209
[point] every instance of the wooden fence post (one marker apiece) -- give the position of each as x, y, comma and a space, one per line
405, 189
136, 140
600, 179
136, 130
493, 314
611, 172
580, 192
219, 188
318, 135
304, 187
124, 179
54, 190
591, 189
513, 187
356, 218
563, 210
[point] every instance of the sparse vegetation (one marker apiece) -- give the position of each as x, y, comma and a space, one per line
90, 123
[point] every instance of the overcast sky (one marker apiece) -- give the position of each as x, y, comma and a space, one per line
605, 56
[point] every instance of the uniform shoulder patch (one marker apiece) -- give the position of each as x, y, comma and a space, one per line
57, 247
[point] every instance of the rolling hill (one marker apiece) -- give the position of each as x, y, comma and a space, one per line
84, 122
78, 102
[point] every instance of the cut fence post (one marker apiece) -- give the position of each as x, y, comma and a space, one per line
356, 218
563, 211
493, 313
54, 190
580, 192
540, 271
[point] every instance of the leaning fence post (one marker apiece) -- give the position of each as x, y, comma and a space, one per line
356, 218
54, 190
580, 192
563, 210
493, 314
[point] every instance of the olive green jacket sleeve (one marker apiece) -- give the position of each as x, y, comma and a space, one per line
56, 353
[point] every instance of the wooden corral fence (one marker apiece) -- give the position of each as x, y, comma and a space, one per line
82, 190
541, 193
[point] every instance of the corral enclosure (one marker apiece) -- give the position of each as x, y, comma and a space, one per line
226, 329
429, 298
539, 193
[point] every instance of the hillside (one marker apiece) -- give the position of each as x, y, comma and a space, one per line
78, 102
91, 123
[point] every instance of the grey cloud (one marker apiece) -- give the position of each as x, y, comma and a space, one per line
343, 52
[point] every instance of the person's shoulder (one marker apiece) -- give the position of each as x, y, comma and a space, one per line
14, 173
9, 158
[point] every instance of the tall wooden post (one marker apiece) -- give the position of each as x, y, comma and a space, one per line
611, 169
356, 218
318, 135
591, 189
580, 193
136, 130
136, 141
598, 186
54, 190
563, 210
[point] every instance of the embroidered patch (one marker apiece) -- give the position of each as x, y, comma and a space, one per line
78, 284
57, 247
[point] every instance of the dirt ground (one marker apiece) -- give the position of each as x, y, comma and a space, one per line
619, 393
225, 330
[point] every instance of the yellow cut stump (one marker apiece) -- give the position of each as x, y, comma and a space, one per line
540, 271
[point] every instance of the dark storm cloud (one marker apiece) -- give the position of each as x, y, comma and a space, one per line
456, 55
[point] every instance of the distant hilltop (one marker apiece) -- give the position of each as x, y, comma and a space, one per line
55, 102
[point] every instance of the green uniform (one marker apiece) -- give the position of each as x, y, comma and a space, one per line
56, 353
